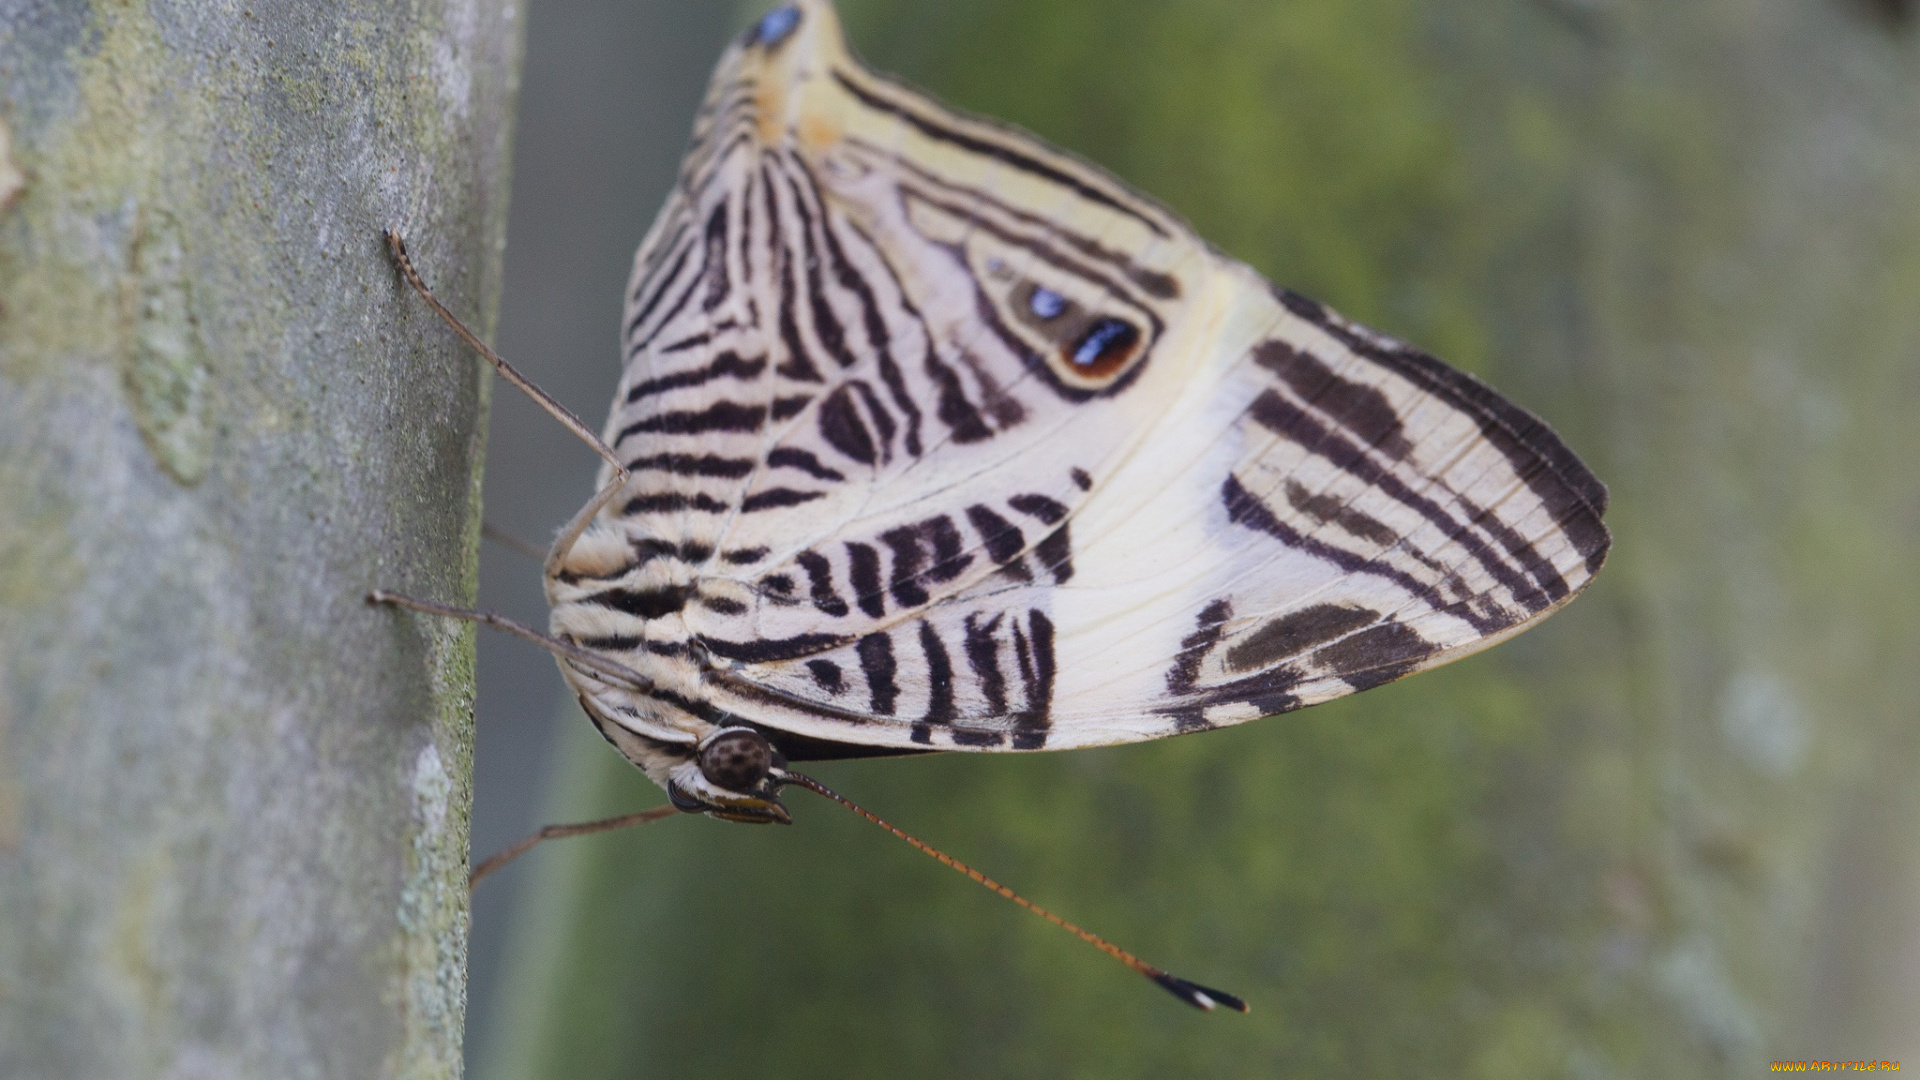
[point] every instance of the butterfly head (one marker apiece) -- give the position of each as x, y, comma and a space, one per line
735, 775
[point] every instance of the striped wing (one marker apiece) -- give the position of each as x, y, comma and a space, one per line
944, 439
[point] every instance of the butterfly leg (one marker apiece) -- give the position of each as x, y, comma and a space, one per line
554, 832
566, 650
490, 531
564, 543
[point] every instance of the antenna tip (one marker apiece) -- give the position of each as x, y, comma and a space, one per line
1204, 998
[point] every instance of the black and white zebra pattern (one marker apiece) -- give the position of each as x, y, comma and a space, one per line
943, 439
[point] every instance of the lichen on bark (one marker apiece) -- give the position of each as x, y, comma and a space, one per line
233, 798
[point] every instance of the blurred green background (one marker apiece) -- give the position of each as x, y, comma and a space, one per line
1674, 832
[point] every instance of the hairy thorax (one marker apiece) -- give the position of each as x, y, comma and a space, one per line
624, 597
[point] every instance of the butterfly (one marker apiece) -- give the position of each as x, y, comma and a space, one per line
931, 437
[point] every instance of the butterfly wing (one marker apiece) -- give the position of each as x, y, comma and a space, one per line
944, 439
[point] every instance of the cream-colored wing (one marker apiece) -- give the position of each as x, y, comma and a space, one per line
1320, 511
945, 439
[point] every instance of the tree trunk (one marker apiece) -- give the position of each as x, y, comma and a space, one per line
1671, 833
233, 796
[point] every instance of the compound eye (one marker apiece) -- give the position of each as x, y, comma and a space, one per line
737, 759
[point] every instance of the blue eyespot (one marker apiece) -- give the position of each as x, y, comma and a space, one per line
1105, 342
776, 25
1046, 304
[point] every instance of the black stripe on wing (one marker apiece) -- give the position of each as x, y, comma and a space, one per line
1007, 152
1572, 495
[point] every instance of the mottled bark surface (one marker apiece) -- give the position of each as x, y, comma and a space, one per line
233, 797
1672, 833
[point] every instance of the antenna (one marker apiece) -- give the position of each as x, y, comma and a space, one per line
1200, 997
